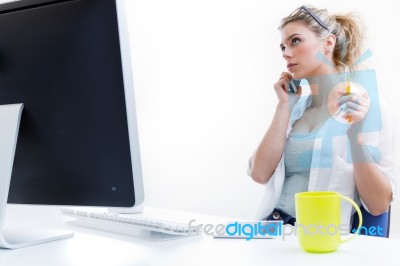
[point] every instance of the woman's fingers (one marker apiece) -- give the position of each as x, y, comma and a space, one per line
355, 105
283, 81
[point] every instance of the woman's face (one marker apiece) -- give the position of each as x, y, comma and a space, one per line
300, 47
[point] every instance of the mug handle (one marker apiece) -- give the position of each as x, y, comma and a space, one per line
359, 217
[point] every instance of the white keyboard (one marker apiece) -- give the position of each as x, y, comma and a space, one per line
132, 224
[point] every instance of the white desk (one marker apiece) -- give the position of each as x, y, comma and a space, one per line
92, 247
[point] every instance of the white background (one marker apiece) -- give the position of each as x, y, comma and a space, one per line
203, 75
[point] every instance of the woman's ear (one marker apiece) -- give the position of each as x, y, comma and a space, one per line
330, 43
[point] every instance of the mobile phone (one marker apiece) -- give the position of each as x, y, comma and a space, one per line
293, 85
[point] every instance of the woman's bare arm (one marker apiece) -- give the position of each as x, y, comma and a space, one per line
269, 152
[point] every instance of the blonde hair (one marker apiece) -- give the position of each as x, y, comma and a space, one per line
349, 35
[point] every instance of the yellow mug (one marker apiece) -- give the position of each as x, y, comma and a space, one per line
318, 220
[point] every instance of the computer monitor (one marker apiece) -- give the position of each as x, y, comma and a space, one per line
68, 62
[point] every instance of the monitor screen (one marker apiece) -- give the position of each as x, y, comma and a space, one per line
68, 63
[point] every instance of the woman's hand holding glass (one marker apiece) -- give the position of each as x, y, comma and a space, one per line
355, 106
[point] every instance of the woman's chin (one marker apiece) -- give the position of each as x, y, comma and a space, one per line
298, 75
295, 75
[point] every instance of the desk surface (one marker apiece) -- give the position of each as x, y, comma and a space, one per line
92, 247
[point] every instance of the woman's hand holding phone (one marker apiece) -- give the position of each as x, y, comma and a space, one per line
283, 88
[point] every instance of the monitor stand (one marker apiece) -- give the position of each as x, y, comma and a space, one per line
10, 116
136, 209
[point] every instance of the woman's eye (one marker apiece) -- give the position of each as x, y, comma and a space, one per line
295, 41
282, 48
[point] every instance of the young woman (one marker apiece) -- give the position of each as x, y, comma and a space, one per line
317, 142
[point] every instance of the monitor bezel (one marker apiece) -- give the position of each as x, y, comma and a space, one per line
127, 72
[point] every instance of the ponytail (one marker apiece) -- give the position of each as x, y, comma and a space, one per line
349, 40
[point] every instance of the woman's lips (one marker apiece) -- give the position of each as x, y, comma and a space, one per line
291, 65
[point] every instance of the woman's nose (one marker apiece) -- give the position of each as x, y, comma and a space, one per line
287, 53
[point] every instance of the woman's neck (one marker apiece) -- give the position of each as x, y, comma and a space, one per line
322, 90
